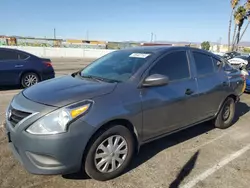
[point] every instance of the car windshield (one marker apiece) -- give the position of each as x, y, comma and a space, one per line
116, 66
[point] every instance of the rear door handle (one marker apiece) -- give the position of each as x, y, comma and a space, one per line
189, 92
18, 66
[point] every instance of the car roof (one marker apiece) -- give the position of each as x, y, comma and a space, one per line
16, 50
161, 49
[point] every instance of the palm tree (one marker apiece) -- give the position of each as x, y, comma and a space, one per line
234, 3
247, 6
239, 17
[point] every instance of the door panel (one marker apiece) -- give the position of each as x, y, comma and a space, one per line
168, 108
212, 83
212, 92
10, 71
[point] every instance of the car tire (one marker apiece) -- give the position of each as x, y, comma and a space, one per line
225, 117
95, 153
29, 79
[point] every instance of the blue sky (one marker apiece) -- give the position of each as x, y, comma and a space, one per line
117, 20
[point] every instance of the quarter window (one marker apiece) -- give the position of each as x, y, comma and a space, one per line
204, 64
217, 64
174, 65
22, 56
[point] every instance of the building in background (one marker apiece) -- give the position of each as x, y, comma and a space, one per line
95, 44
8, 41
38, 42
121, 45
74, 43
3, 41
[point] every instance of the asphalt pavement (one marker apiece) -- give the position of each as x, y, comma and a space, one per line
200, 157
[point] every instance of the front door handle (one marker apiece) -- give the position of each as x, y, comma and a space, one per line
189, 92
18, 66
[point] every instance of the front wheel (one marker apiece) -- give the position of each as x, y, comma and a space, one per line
226, 114
110, 153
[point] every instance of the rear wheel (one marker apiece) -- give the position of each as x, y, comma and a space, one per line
109, 153
226, 114
29, 79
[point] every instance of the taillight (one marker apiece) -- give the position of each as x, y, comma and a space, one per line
48, 64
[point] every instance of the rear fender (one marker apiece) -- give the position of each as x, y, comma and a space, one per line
235, 97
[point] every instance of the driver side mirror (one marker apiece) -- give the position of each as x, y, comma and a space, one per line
155, 80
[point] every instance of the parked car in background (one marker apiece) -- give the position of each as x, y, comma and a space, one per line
238, 61
97, 118
230, 55
244, 57
242, 63
22, 68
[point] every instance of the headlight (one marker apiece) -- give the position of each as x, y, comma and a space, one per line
57, 121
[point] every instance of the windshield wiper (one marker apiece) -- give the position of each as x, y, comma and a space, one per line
90, 77
99, 78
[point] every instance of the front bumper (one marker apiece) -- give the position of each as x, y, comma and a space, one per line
49, 154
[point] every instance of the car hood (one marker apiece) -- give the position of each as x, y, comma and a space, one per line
65, 90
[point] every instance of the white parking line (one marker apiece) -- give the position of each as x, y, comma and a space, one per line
225, 133
216, 167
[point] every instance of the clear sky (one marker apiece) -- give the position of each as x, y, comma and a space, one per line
118, 20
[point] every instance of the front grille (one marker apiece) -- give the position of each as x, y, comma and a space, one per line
16, 116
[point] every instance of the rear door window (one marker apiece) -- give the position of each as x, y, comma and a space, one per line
204, 64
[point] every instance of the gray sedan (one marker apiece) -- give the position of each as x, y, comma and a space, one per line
97, 118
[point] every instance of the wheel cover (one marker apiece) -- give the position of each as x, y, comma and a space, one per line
30, 80
111, 154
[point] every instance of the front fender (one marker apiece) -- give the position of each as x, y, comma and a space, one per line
115, 106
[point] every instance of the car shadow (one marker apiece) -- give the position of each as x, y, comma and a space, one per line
9, 88
240, 110
149, 150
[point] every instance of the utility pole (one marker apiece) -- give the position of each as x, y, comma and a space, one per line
155, 37
152, 35
54, 33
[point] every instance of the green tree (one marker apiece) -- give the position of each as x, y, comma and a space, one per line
246, 50
234, 4
205, 45
239, 16
247, 7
